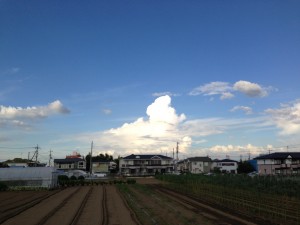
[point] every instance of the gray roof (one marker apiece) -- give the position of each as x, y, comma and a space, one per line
224, 160
280, 155
133, 156
68, 160
199, 159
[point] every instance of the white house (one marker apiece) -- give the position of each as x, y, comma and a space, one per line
70, 164
284, 163
195, 165
139, 165
225, 165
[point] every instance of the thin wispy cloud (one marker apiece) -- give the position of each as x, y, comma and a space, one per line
226, 90
213, 88
248, 110
10, 71
158, 94
107, 111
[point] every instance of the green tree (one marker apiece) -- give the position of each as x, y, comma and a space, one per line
245, 167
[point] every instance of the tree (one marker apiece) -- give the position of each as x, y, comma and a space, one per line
245, 167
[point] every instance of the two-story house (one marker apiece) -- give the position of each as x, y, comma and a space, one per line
70, 164
285, 163
225, 165
140, 165
195, 165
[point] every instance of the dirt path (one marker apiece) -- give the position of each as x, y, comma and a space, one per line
116, 206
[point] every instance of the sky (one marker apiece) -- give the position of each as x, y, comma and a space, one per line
221, 78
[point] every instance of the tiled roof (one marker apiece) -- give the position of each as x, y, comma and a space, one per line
280, 155
132, 156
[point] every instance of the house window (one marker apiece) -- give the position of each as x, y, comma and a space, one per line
195, 163
70, 165
205, 163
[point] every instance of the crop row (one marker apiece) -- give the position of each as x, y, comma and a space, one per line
228, 191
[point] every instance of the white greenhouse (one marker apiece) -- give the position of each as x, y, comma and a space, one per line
29, 176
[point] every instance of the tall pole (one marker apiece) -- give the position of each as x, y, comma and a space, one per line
36, 154
91, 161
177, 149
50, 157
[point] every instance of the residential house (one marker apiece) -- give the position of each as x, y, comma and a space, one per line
225, 165
100, 166
285, 163
139, 165
195, 165
70, 164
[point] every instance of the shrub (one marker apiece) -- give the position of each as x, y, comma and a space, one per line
131, 181
3, 186
73, 178
81, 177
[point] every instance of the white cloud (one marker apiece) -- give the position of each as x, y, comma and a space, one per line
158, 94
226, 95
19, 117
286, 118
246, 109
107, 111
235, 151
159, 131
55, 107
226, 90
161, 111
10, 71
250, 89
213, 88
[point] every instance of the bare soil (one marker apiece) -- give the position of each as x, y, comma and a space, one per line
63, 207
94, 205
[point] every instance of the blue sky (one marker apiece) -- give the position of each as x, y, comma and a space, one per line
220, 77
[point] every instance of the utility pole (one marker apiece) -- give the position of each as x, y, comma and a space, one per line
173, 153
177, 150
91, 161
50, 157
36, 153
